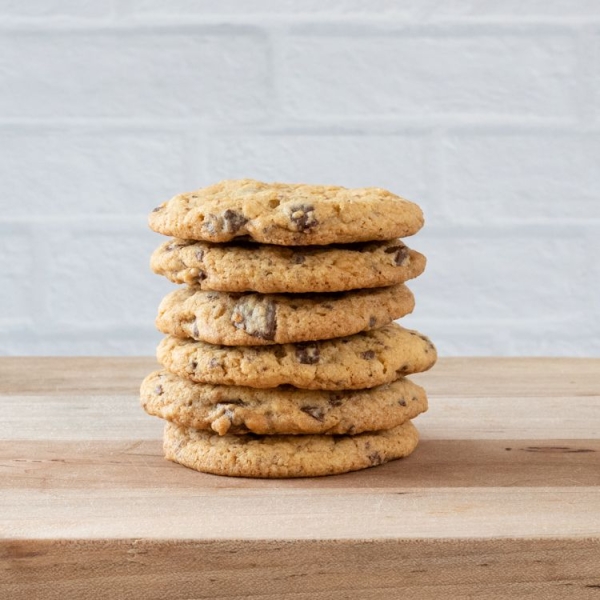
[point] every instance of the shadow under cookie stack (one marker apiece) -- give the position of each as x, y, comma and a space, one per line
281, 357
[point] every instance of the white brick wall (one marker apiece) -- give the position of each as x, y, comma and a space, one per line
486, 113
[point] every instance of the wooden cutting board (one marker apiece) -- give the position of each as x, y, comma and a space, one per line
500, 500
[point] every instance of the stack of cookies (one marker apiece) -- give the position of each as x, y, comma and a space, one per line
281, 357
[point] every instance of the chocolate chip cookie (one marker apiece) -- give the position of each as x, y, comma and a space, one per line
285, 455
286, 214
286, 410
242, 267
261, 319
363, 360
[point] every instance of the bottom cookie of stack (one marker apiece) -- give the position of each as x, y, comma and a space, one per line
274, 456
284, 431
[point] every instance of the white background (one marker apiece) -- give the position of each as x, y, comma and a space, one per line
485, 113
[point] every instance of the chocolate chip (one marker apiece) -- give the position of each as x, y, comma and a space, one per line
368, 355
214, 363
375, 458
199, 255
229, 222
402, 370
256, 315
316, 412
336, 399
232, 402
298, 259
201, 276
157, 208
195, 331
233, 221
414, 398
307, 354
401, 254
194, 365
158, 390
402, 402
279, 351
372, 321
303, 216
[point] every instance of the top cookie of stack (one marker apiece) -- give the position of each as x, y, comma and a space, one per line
304, 281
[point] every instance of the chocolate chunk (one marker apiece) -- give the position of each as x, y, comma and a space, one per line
402, 370
401, 254
298, 259
201, 276
307, 354
316, 412
229, 222
368, 355
195, 332
336, 399
372, 321
158, 390
303, 216
256, 315
375, 458
199, 254
232, 403
279, 351
233, 221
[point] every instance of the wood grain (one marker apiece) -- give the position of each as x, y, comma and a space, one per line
300, 569
501, 498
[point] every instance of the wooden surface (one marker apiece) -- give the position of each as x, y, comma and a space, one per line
500, 500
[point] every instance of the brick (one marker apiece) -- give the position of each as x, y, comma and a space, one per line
17, 278
396, 162
55, 8
523, 176
409, 74
502, 274
133, 74
100, 276
58, 172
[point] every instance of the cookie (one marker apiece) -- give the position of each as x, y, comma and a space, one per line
286, 214
262, 319
360, 361
242, 267
285, 455
284, 410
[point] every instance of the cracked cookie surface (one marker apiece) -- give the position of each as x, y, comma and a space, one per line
241, 267
285, 410
363, 360
286, 456
234, 319
286, 214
